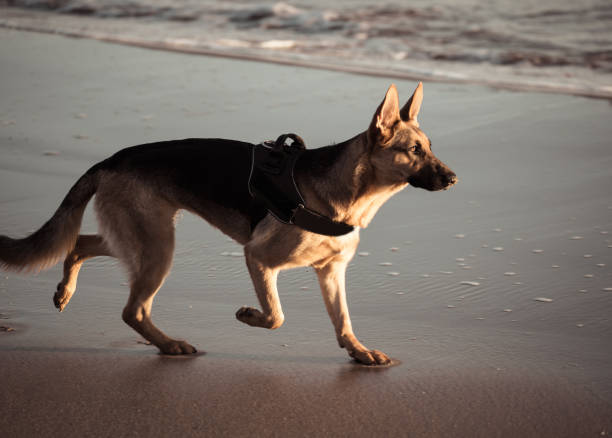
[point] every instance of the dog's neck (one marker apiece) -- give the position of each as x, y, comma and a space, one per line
340, 182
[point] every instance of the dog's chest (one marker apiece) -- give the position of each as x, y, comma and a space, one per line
316, 249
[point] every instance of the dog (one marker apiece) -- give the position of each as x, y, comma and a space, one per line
139, 191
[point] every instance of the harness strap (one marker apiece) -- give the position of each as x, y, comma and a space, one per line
272, 183
312, 221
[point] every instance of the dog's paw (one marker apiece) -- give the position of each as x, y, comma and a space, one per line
175, 347
249, 315
62, 296
256, 318
370, 357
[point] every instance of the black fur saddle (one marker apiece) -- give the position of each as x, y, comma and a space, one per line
272, 183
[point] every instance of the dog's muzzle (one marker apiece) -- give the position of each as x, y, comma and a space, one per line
433, 181
449, 180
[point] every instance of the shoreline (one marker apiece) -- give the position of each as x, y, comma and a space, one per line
178, 45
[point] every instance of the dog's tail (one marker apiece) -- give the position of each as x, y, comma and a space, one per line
45, 247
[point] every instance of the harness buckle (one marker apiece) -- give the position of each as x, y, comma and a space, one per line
294, 211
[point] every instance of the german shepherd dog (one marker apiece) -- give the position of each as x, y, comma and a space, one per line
140, 189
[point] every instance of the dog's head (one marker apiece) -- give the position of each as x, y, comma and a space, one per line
399, 151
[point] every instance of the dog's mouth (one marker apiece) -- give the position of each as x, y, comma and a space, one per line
439, 183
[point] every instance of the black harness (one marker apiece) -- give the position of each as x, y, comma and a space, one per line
271, 183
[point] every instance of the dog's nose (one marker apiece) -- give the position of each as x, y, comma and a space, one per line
451, 179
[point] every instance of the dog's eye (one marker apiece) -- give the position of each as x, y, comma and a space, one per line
416, 148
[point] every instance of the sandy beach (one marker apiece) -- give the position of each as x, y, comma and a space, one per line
494, 298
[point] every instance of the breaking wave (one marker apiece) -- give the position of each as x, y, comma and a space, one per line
554, 45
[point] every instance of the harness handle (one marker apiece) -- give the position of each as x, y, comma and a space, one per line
282, 140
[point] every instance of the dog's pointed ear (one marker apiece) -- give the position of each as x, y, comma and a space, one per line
410, 111
386, 117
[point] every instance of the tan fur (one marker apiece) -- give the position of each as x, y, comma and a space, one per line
136, 225
46, 246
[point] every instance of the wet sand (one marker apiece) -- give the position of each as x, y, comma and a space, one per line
497, 309
71, 393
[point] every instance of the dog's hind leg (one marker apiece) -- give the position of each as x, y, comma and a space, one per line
138, 227
144, 285
264, 279
149, 258
87, 246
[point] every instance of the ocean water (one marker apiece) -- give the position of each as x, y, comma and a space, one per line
547, 45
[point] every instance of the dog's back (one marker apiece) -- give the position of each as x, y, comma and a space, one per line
206, 176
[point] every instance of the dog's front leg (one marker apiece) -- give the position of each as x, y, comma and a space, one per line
331, 278
264, 279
